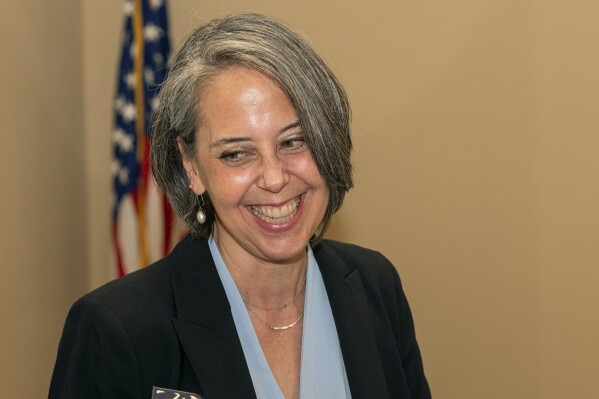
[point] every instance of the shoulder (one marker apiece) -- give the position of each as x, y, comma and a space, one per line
149, 291
146, 288
370, 263
351, 251
122, 333
379, 277
146, 295
107, 334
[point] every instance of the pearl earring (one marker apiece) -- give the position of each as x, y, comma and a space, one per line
201, 216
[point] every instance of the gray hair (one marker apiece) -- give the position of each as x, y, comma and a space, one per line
269, 47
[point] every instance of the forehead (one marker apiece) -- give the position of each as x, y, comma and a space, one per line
239, 96
238, 83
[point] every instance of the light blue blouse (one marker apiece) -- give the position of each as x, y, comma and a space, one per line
322, 372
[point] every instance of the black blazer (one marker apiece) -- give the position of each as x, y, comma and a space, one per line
170, 325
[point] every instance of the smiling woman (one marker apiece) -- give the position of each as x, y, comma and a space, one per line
251, 144
279, 54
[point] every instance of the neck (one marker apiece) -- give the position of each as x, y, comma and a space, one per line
260, 282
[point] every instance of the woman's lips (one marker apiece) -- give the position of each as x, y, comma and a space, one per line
277, 214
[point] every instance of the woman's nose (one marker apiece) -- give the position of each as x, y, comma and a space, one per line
274, 174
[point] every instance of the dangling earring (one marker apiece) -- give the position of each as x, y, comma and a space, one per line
201, 216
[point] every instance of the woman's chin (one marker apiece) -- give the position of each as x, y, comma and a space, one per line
282, 249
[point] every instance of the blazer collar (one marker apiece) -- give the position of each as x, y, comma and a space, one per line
205, 325
349, 305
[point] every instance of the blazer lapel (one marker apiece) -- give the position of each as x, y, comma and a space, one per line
354, 324
205, 325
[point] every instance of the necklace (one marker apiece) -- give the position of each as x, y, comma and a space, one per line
276, 328
279, 307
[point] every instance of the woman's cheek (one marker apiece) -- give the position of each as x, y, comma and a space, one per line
243, 177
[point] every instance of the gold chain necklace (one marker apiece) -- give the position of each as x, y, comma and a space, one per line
276, 328
249, 307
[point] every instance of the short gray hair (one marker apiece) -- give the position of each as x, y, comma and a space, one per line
269, 47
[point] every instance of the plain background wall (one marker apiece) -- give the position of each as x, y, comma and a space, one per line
43, 237
476, 133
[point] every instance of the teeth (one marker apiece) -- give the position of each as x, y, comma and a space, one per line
277, 215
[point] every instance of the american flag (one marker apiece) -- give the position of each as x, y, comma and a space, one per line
144, 228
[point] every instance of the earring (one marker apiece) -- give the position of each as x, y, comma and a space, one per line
201, 216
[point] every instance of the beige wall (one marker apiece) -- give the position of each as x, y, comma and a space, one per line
42, 166
475, 125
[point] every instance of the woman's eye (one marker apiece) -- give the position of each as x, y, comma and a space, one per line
294, 144
234, 157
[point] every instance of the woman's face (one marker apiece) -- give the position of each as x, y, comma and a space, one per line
252, 160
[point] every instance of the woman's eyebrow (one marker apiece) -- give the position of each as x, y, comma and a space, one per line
290, 126
228, 140
238, 139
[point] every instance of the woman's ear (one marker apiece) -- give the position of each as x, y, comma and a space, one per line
195, 181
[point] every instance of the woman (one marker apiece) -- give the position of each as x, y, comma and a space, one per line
251, 145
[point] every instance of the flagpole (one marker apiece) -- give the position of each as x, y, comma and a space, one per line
138, 63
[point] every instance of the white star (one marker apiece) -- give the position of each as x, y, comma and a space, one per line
124, 176
126, 143
122, 139
149, 76
130, 80
152, 32
128, 112
156, 4
115, 167
117, 134
128, 7
119, 102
